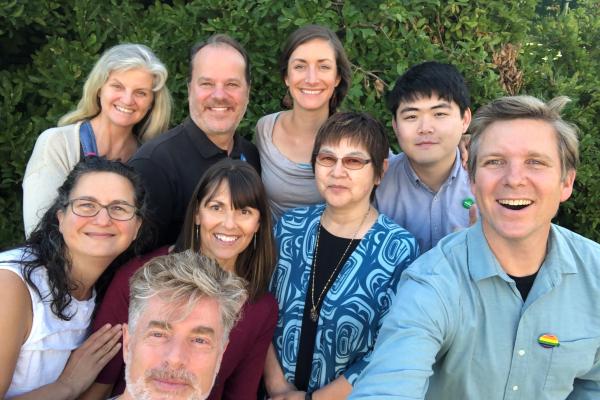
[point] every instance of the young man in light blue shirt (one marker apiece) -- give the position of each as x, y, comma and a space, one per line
425, 188
508, 308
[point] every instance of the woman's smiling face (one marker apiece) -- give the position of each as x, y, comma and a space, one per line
312, 74
225, 231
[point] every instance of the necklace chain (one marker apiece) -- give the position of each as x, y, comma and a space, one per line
314, 305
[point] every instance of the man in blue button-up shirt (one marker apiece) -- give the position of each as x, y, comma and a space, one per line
507, 309
425, 186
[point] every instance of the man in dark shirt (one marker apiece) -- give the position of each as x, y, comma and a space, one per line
172, 164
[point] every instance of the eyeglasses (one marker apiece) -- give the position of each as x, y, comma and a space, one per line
350, 162
91, 208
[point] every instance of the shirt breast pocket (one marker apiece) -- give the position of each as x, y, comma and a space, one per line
570, 360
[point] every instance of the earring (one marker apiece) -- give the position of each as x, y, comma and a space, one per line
287, 101
254, 240
197, 232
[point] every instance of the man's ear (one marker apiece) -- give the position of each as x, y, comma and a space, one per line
567, 185
394, 124
125, 343
466, 119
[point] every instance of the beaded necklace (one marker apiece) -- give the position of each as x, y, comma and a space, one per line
314, 315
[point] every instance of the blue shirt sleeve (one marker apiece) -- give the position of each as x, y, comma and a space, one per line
416, 330
588, 386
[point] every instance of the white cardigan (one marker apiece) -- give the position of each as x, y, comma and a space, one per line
56, 152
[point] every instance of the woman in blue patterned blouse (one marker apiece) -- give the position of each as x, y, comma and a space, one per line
339, 265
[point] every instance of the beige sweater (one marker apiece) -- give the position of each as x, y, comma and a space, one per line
54, 155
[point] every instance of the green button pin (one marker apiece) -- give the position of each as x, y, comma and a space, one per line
468, 203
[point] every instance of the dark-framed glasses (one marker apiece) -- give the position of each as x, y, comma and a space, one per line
350, 162
119, 211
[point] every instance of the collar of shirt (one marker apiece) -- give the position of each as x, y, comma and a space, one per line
205, 146
483, 264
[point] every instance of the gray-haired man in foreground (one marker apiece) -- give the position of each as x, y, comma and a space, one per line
182, 309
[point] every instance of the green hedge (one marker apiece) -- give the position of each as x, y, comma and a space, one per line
48, 47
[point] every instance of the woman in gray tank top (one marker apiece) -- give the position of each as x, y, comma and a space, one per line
316, 71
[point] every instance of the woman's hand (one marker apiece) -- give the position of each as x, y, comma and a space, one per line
275, 381
86, 362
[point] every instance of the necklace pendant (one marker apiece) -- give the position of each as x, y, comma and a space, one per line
313, 315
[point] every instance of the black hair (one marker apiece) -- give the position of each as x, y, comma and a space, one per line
428, 79
358, 128
46, 248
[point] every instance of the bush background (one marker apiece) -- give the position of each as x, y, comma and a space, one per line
543, 48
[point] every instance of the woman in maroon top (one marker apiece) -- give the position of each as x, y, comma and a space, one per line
229, 220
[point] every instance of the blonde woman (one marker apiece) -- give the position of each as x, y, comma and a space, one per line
125, 102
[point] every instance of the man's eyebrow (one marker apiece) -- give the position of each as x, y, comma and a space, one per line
442, 104
534, 154
158, 324
206, 330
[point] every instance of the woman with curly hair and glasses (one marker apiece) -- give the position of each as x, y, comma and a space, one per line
48, 285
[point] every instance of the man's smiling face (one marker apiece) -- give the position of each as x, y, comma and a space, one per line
218, 92
170, 356
518, 180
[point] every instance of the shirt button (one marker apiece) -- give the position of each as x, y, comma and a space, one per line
521, 353
515, 388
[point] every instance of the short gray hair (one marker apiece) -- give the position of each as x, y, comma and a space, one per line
184, 279
527, 107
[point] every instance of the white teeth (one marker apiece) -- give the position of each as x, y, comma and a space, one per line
225, 238
311, 91
515, 202
124, 110
219, 108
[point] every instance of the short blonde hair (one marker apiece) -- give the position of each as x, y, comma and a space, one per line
121, 58
527, 107
182, 279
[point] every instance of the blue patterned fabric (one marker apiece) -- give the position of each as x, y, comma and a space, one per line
353, 307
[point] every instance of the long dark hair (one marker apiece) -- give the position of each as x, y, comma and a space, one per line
46, 248
254, 264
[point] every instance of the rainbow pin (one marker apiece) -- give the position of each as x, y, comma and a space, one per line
548, 341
